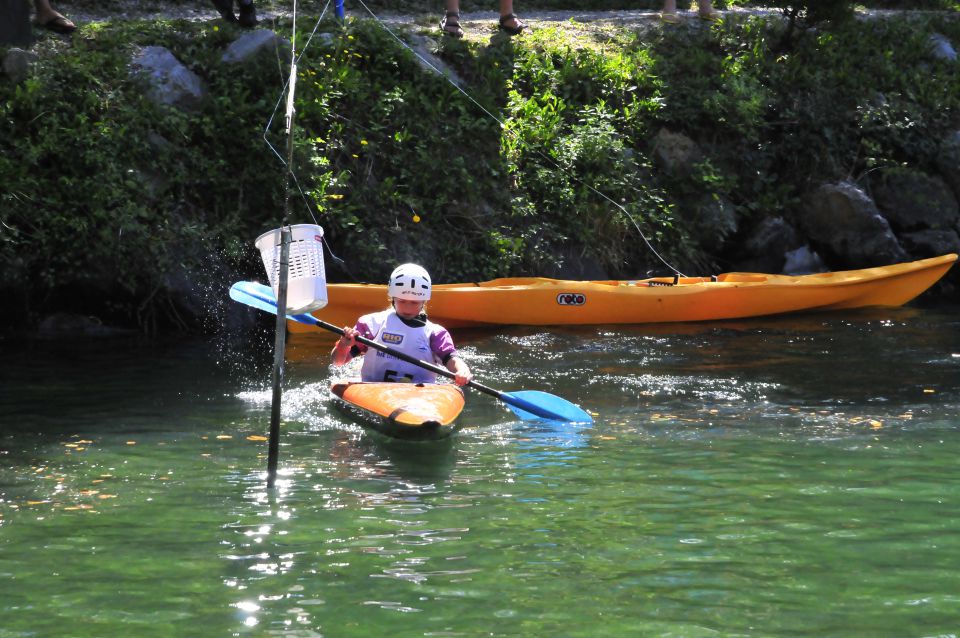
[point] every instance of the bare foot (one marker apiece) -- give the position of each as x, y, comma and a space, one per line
55, 22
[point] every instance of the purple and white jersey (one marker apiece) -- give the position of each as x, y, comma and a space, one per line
430, 342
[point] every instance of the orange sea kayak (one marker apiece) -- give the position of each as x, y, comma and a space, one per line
422, 411
538, 301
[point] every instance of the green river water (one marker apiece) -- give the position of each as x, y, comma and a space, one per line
784, 477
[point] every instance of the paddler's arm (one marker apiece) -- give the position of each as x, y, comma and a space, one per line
457, 366
343, 350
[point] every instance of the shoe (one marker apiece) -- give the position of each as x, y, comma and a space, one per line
451, 28
710, 16
248, 15
511, 30
58, 24
669, 18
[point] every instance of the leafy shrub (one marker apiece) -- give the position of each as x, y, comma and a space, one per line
106, 198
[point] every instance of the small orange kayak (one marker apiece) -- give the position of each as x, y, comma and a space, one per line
416, 412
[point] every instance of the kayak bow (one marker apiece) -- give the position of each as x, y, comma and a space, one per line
414, 412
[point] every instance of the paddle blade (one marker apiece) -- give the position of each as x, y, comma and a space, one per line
531, 405
261, 297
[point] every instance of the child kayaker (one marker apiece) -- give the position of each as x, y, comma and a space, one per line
404, 327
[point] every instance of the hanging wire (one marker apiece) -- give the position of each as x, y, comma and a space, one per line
508, 131
503, 126
287, 97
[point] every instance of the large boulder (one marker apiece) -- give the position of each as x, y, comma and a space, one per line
941, 48
168, 81
803, 261
948, 161
17, 64
425, 49
765, 247
254, 44
715, 219
930, 243
912, 200
64, 325
675, 152
844, 225
195, 286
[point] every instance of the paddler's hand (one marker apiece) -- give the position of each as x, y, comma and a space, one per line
461, 371
349, 338
341, 350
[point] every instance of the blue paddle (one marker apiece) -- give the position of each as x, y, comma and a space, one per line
526, 404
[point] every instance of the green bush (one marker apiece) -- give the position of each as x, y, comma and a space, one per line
107, 198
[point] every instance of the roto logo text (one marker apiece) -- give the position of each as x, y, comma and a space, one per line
571, 299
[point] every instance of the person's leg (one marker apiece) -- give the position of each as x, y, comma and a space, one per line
50, 18
669, 12
225, 7
248, 13
509, 22
450, 25
706, 11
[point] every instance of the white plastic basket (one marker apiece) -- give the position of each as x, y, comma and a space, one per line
306, 281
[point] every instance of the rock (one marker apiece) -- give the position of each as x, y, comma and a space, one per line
767, 245
941, 48
255, 43
931, 243
675, 152
845, 225
424, 48
912, 200
195, 285
158, 141
169, 82
773, 234
948, 161
802, 261
715, 219
63, 325
17, 63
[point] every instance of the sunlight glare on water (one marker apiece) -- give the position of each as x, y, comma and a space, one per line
787, 477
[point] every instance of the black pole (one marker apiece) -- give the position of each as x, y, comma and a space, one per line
280, 341
279, 349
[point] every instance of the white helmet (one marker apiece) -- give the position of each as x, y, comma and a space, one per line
409, 281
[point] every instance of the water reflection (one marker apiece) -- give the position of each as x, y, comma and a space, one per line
721, 455
421, 463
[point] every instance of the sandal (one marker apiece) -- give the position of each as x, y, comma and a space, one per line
709, 16
451, 27
511, 30
669, 18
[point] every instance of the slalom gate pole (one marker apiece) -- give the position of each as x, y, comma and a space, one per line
279, 352
280, 340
